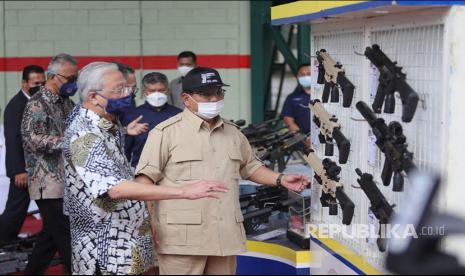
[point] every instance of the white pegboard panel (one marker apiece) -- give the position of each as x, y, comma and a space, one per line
341, 47
419, 50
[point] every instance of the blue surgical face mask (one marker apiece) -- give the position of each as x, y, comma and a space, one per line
68, 89
305, 81
119, 106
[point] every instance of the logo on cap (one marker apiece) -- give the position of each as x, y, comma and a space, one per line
206, 78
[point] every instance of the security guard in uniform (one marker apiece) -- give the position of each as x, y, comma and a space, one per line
202, 236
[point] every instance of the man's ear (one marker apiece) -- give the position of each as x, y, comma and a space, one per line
92, 97
185, 98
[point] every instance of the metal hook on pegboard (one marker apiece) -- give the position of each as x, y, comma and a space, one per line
423, 97
309, 56
359, 188
357, 119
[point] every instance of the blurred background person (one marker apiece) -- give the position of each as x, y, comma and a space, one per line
42, 130
187, 61
295, 112
131, 82
33, 77
155, 110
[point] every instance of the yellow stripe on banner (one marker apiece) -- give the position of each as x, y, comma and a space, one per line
347, 254
307, 7
297, 257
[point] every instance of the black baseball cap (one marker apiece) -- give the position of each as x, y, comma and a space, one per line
200, 79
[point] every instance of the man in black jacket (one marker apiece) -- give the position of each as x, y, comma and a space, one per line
18, 196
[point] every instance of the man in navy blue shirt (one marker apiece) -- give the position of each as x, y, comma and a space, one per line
154, 111
295, 113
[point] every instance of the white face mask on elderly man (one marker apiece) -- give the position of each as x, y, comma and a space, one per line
157, 99
210, 110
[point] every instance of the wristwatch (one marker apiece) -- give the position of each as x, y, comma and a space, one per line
279, 179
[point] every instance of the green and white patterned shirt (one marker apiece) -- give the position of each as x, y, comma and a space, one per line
111, 235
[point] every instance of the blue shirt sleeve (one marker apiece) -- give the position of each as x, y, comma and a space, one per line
128, 139
288, 109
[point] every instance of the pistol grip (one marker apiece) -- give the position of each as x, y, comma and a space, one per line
347, 206
379, 99
326, 92
343, 145
386, 174
398, 182
329, 149
335, 94
390, 103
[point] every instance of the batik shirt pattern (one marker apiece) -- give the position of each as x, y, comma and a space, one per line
113, 235
42, 131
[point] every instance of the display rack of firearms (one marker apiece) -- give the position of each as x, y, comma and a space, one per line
327, 174
422, 254
330, 129
14, 255
380, 207
260, 129
393, 143
331, 74
391, 79
270, 138
12, 262
278, 150
264, 201
239, 123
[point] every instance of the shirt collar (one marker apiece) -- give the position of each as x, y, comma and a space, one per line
26, 95
156, 109
198, 122
54, 98
98, 121
301, 90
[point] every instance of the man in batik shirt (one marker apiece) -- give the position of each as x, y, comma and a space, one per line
110, 225
42, 131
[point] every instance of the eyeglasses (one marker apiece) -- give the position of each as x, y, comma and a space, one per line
218, 92
69, 79
122, 91
38, 83
133, 90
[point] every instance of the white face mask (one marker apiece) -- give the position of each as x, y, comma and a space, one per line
157, 99
210, 110
183, 70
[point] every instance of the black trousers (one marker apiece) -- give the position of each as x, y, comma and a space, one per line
15, 212
55, 236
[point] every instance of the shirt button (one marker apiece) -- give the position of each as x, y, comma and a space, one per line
221, 219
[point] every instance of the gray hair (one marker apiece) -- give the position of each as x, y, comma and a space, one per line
57, 61
91, 77
153, 78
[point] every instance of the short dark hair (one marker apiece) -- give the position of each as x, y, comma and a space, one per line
303, 65
124, 69
153, 78
187, 54
32, 69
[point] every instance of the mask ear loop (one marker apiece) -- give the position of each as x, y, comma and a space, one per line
102, 107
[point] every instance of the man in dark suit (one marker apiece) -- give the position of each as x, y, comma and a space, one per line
18, 196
